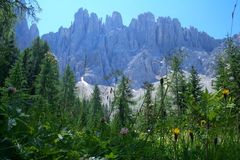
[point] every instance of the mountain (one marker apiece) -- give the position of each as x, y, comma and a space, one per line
98, 50
25, 34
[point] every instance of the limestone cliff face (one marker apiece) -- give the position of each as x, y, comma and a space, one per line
97, 50
24, 34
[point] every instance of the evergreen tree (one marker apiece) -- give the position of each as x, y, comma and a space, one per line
96, 111
195, 88
27, 67
122, 100
8, 55
47, 84
17, 77
178, 86
148, 107
38, 51
84, 112
67, 89
233, 70
222, 77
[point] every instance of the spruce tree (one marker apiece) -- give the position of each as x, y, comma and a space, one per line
148, 107
37, 54
47, 83
122, 102
222, 74
195, 88
8, 55
17, 76
67, 90
96, 112
178, 84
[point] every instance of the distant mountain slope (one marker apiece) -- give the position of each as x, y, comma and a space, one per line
84, 90
97, 50
24, 34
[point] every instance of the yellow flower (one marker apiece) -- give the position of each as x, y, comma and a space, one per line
176, 131
225, 92
203, 123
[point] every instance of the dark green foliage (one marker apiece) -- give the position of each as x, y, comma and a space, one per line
96, 113
222, 74
47, 83
195, 88
179, 85
148, 109
122, 100
17, 77
38, 51
67, 98
8, 56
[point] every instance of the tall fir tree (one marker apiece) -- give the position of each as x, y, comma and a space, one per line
233, 59
8, 55
122, 102
148, 108
47, 83
17, 77
222, 74
194, 86
67, 90
178, 84
37, 54
96, 112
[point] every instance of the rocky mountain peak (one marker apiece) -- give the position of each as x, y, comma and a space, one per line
114, 22
96, 50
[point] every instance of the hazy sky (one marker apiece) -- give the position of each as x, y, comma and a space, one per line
211, 16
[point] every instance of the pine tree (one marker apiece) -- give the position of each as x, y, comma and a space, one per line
178, 86
67, 90
8, 55
17, 76
122, 100
195, 88
96, 111
83, 113
47, 84
148, 107
37, 54
222, 74
233, 70
27, 67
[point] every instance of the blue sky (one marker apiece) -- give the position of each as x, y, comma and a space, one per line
211, 16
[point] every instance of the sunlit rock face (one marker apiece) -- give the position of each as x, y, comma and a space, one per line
24, 34
97, 50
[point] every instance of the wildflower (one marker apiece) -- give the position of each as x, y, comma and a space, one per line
176, 132
225, 92
203, 123
231, 78
124, 131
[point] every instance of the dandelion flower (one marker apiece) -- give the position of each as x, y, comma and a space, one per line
225, 92
176, 132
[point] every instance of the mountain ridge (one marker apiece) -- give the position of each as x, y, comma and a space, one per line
96, 50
